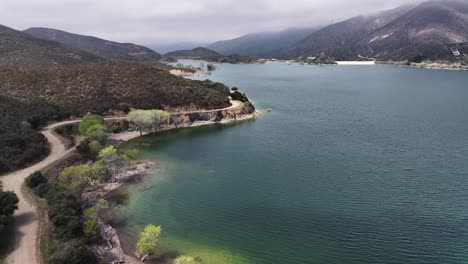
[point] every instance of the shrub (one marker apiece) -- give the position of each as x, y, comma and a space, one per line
35, 180
38, 183
90, 224
72, 252
94, 147
64, 212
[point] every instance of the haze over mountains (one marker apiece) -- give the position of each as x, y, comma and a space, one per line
428, 31
431, 30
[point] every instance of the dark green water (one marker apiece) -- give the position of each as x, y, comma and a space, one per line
354, 165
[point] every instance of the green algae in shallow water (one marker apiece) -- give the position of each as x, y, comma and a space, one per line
209, 254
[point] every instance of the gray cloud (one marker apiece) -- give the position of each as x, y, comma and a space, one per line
162, 21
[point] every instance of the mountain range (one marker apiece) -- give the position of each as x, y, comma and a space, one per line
261, 44
435, 30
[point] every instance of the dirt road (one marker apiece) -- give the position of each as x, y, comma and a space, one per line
26, 248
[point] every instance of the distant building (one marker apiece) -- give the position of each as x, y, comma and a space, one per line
456, 52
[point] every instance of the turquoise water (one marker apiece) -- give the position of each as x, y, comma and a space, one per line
355, 164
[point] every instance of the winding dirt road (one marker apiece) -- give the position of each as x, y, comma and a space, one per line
25, 248
26, 244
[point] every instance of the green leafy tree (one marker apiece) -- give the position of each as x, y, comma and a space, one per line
93, 126
147, 245
148, 119
75, 178
114, 162
187, 260
90, 121
98, 172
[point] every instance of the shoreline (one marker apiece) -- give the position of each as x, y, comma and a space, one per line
127, 179
426, 65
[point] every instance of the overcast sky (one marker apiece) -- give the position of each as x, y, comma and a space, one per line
165, 21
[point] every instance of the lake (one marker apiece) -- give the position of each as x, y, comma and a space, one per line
355, 164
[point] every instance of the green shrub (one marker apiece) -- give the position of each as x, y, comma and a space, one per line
95, 147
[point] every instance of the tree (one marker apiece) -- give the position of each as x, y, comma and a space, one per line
148, 119
187, 260
210, 67
8, 205
113, 161
93, 126
148, 242
160, 118
75, 178
98, 172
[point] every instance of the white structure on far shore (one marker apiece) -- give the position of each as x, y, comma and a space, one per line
355, 62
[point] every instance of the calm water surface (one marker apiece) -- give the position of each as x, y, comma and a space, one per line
355, 164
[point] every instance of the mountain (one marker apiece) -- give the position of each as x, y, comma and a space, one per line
196, 53
261, 44
23, 51
429, 31
339, 40
100, 47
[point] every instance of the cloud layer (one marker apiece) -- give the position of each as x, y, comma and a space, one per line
162, 21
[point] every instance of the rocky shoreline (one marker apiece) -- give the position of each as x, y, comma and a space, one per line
428, 65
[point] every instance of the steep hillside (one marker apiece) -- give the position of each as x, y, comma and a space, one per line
196, 53
20, 50
261, 44
100, 47
431, 29
339, 40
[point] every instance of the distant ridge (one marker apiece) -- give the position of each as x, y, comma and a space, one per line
261, 44
100, 47
20, 50
196, 53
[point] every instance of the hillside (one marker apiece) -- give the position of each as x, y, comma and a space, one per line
196, 53
431, 29
339, 40
261, 44
100, 47
29, 99
20, 50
